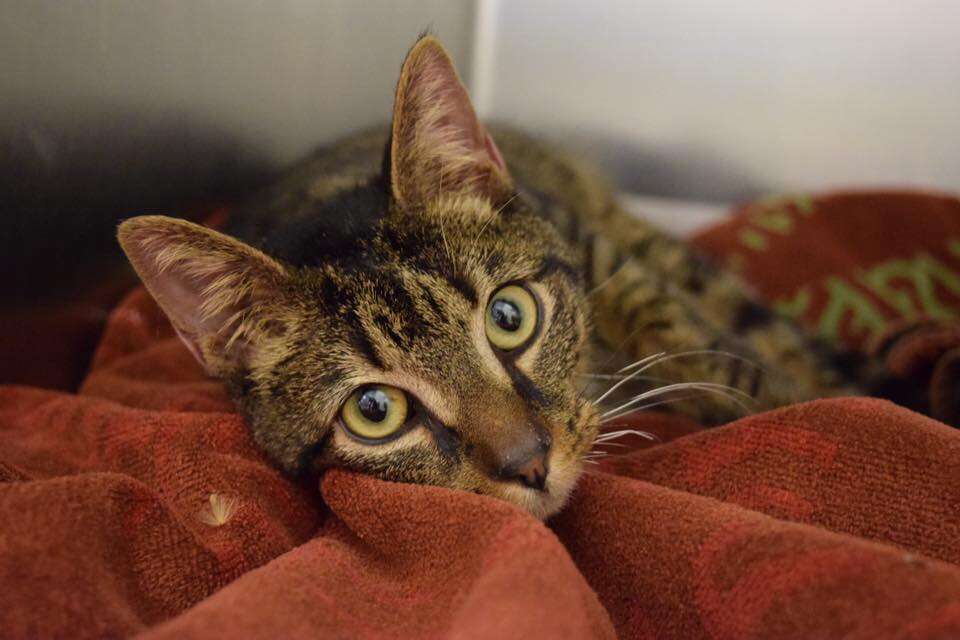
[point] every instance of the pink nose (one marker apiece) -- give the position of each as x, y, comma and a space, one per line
515, 452
531, 473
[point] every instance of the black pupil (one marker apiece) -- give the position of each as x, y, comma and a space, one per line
506, 314
374, 404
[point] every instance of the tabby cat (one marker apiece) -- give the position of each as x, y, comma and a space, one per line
426, 305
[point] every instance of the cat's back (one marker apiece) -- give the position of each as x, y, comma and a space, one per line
330, 194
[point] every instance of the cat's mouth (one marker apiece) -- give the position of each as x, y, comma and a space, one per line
540, 503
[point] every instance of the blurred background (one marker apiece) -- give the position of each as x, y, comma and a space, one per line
119, 107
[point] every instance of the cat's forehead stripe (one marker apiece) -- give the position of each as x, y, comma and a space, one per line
526, 388
362, 341
552, 264
464, 287
488, 358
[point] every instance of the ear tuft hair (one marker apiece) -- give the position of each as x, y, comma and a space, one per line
215, 290
438, 145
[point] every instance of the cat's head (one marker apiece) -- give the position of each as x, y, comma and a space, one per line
444, 350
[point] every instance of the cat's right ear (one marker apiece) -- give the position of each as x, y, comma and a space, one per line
437, 143
218, 292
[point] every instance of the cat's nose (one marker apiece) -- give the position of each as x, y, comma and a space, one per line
512, 450
529, 465
532, 473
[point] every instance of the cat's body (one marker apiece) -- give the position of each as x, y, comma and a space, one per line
427, 305
648, 292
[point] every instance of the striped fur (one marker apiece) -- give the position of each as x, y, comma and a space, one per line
362, 267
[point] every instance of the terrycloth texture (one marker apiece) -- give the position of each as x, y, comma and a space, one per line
875, 271
829, 519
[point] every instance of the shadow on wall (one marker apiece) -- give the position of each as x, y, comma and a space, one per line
63, 191
691, 173
66, 186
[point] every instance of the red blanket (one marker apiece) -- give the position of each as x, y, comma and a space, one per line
140, 506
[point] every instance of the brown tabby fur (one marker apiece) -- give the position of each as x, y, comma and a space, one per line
396, 294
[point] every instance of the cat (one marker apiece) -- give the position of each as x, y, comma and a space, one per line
427, 303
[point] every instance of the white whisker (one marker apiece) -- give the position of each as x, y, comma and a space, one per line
506, 204
610, 278
613, 435
698, 352
629, 377
712, 387
614, 376
645, 407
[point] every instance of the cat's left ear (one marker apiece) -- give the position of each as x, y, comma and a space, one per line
223, 297
437, 143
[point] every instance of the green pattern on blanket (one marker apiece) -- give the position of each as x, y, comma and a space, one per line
902, 288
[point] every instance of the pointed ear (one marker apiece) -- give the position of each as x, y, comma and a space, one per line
437, 143
219, 293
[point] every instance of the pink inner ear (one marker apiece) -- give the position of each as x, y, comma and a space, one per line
442, 104
181, 285
494, 152
180, 297
438, 139
191, 346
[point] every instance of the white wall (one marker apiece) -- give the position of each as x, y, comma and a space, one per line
275, 76
725, 99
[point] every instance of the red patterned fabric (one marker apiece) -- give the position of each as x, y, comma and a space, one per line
848, 263
874, 271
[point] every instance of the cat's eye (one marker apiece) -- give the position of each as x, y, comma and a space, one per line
375, 412
511, 317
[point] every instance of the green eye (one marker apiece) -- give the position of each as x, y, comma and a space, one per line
375, 412
511, 317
